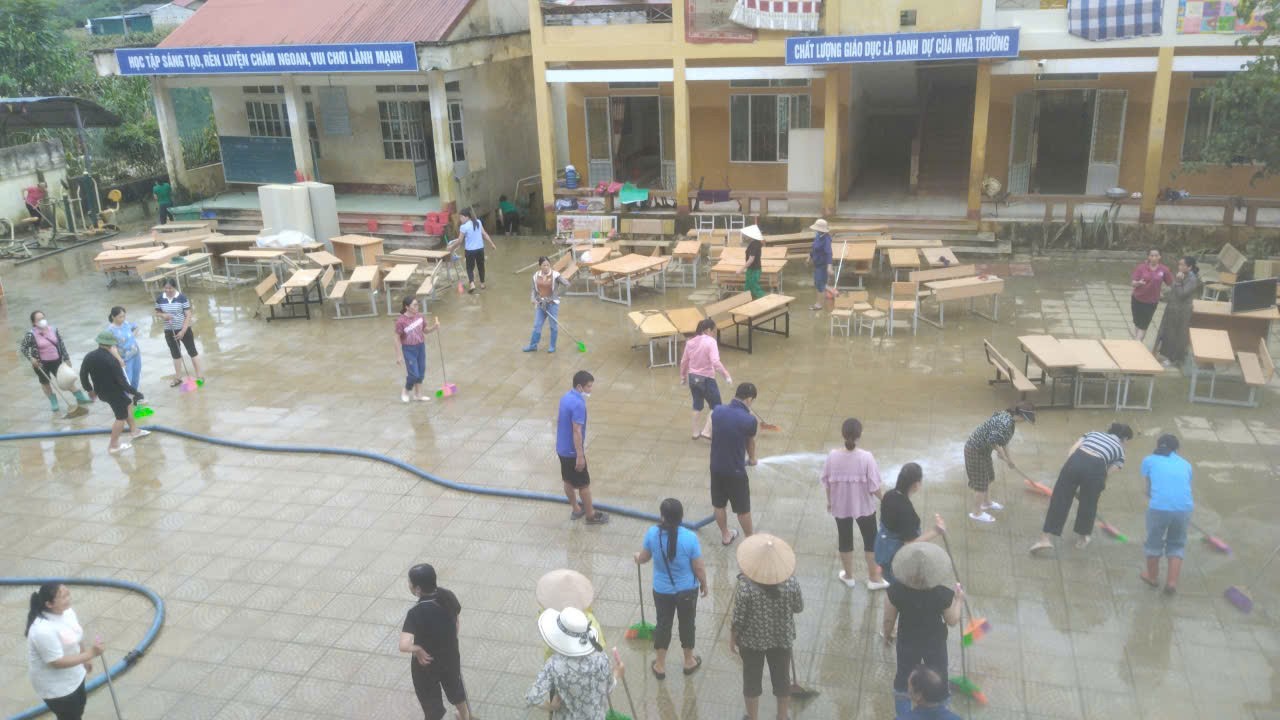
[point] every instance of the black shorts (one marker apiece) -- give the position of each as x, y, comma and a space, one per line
50, 370
704, 389
119, 405
1142, 312
427, 685
844, 533
571, 474
188, 341
732, 490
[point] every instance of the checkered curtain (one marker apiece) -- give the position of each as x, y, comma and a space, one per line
1114, 19
793, 15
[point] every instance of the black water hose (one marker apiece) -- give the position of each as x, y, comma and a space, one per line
129, 659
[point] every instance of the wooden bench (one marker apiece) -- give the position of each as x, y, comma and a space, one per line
1212, 348
721, 310
270, 294
1007, 372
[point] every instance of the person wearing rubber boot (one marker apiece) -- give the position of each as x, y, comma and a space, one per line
42, 346
1168, 477
103, 376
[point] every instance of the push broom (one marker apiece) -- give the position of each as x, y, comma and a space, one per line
1216, 542
1043, 489
446, 388
1239, 596
963, 684
106, 670
641, 630
614, 714
977, 627
582, 347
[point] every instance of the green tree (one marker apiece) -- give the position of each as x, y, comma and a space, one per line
1246, 104
35, 57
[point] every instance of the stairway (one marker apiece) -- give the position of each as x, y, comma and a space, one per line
946, 136
964, 237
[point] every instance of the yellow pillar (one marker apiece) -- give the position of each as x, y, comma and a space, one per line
978, 144
441, 140
831, 139
546, 141
1155, 135
680, 133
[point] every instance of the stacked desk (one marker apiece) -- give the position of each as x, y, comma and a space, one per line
356, 250
965, 288
179, 267
258, 260
398, 278
728, 272
657, 329
1082, 360
585, 256
218, 245
684, 264
1212, 349
856, 256
626, 271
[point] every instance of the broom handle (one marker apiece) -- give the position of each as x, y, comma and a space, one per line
561, 328
964, 598
640, 592
444, 376
53, 383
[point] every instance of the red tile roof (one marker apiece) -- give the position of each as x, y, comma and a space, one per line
294, 22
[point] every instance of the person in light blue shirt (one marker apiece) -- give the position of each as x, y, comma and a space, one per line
571, 439
1168, 478
474, 237
126, 334
678, 578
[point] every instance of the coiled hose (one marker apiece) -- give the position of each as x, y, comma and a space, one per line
129, 659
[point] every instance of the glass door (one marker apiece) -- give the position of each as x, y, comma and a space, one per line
1107, 142
599, 141
1022, 143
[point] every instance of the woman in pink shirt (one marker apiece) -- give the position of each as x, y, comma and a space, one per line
698, 368
852, 481
1147, 279
411, 338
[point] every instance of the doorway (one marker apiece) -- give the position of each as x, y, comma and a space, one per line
1062, 153
630, 139
425, 180
886, 159
1066, 142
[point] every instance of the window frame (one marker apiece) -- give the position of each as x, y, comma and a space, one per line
457, 144
792, 100
1208, 128
263, 123
313, 131
404, 123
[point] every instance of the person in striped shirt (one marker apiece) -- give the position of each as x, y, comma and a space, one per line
174, 309
1089, 461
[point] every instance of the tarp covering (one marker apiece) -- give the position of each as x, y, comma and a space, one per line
1114, 19
33, 113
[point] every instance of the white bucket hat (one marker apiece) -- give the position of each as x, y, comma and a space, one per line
753, 232
820, 225
567, 632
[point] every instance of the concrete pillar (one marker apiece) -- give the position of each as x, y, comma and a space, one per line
296, 105
546, 141
1155, 135
170, 140
831, 139
978, 144
440, 139
680, 134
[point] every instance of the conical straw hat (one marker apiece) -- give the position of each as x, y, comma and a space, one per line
766, 559
922, 566
564, 588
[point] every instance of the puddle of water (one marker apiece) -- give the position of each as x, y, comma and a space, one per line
800, 467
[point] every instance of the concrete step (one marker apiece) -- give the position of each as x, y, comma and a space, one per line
998, 249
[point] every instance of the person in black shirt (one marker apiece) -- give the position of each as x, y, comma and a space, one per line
755, 249
899, 522
430, 634
102, 375
922, 607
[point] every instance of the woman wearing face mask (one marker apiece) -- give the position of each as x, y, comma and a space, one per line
42, 346
126, 344
547, 285
55, 664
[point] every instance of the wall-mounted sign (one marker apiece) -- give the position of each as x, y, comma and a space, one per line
898, 47
269, 59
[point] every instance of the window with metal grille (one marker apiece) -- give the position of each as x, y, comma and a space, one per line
455, 132
267, 118
759, 125
402, 133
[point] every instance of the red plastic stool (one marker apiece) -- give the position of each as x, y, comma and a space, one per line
371, 224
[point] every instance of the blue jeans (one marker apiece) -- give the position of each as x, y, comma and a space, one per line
540, 313
1166, 533
415, 364
133, 370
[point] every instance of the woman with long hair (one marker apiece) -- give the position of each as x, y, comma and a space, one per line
899, 521
1147, 279
547, 286
55, 663
474, 236
851, 479
411, 339
1175, 327
679, 577
126, 334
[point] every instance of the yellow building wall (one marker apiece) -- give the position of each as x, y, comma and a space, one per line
708, 131
864, 17
1214, 179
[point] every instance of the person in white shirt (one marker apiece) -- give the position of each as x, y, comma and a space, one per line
55, 663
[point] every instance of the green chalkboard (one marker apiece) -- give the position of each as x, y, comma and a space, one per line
257, 160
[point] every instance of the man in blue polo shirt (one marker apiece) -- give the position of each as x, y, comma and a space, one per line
571, 437
733, 448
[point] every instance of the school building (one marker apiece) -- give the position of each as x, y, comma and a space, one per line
403, 106
698, 94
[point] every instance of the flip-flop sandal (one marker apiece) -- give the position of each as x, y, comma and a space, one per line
653, 668
733, 535
697, 663
175, 382
1149, 581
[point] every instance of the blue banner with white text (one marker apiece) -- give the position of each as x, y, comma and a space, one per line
269, 59
900, 47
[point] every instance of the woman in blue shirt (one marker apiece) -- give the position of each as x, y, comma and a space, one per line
820, 258
1168, 478
474, 237
126, 334
678, 578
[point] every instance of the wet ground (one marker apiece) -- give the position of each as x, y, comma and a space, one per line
284, 574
